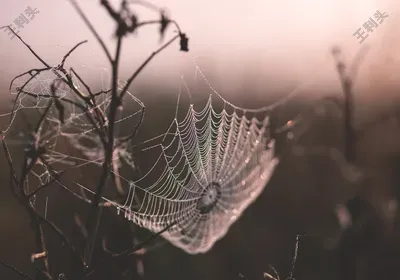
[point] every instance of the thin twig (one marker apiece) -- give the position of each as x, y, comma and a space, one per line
105, 132
9, 159
296, 249
135, 248
92, 98
137, 72
62, 236
28, 46
95, 214
69, 53
20, 273
42, 187
133, 134
90, 26
20, 90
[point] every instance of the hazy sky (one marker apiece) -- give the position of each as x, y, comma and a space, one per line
269, 44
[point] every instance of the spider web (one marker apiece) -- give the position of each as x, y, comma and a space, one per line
75, 129
213, 166
209, 165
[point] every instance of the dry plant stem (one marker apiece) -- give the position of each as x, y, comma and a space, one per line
60, 67
346, 80
277, 277
13, 174
42, 187
23, 199
68, 81
350, 147
137, 72
296, 249
269, 276
106, 134
20, 90
71, 51
92, 29
54, 228
42, 117
40, 241
132, 251
66, 100
115, 176
95, 215
30, 72
28, 46
37, 218
63, 238
133, 134
54, 174
91, 98
20, 273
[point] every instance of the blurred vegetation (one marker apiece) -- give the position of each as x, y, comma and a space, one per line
301, 198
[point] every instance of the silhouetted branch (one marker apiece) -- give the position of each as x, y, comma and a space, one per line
94, 216
20, 273
69, 53
134, 132
90, 26
347, 78
137, 247
28, 46
42, 187
104, 128
143, 65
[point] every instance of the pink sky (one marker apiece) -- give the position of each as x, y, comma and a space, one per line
269, 44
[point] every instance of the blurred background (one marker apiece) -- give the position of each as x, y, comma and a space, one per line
253, 53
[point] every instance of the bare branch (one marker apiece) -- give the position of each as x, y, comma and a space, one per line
92, 98
20, 90
42, 187
141, 67
62, 236
102, 92
9, 159
42, 117
29, 47
127, 23
137, 247
92, 29
347, 84
68, 53
95, 214
116, 16
133, 134
20, 273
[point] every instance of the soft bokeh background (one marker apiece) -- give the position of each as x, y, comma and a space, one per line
253, 53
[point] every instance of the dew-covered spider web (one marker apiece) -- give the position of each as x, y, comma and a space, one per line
209, 166
201, 173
